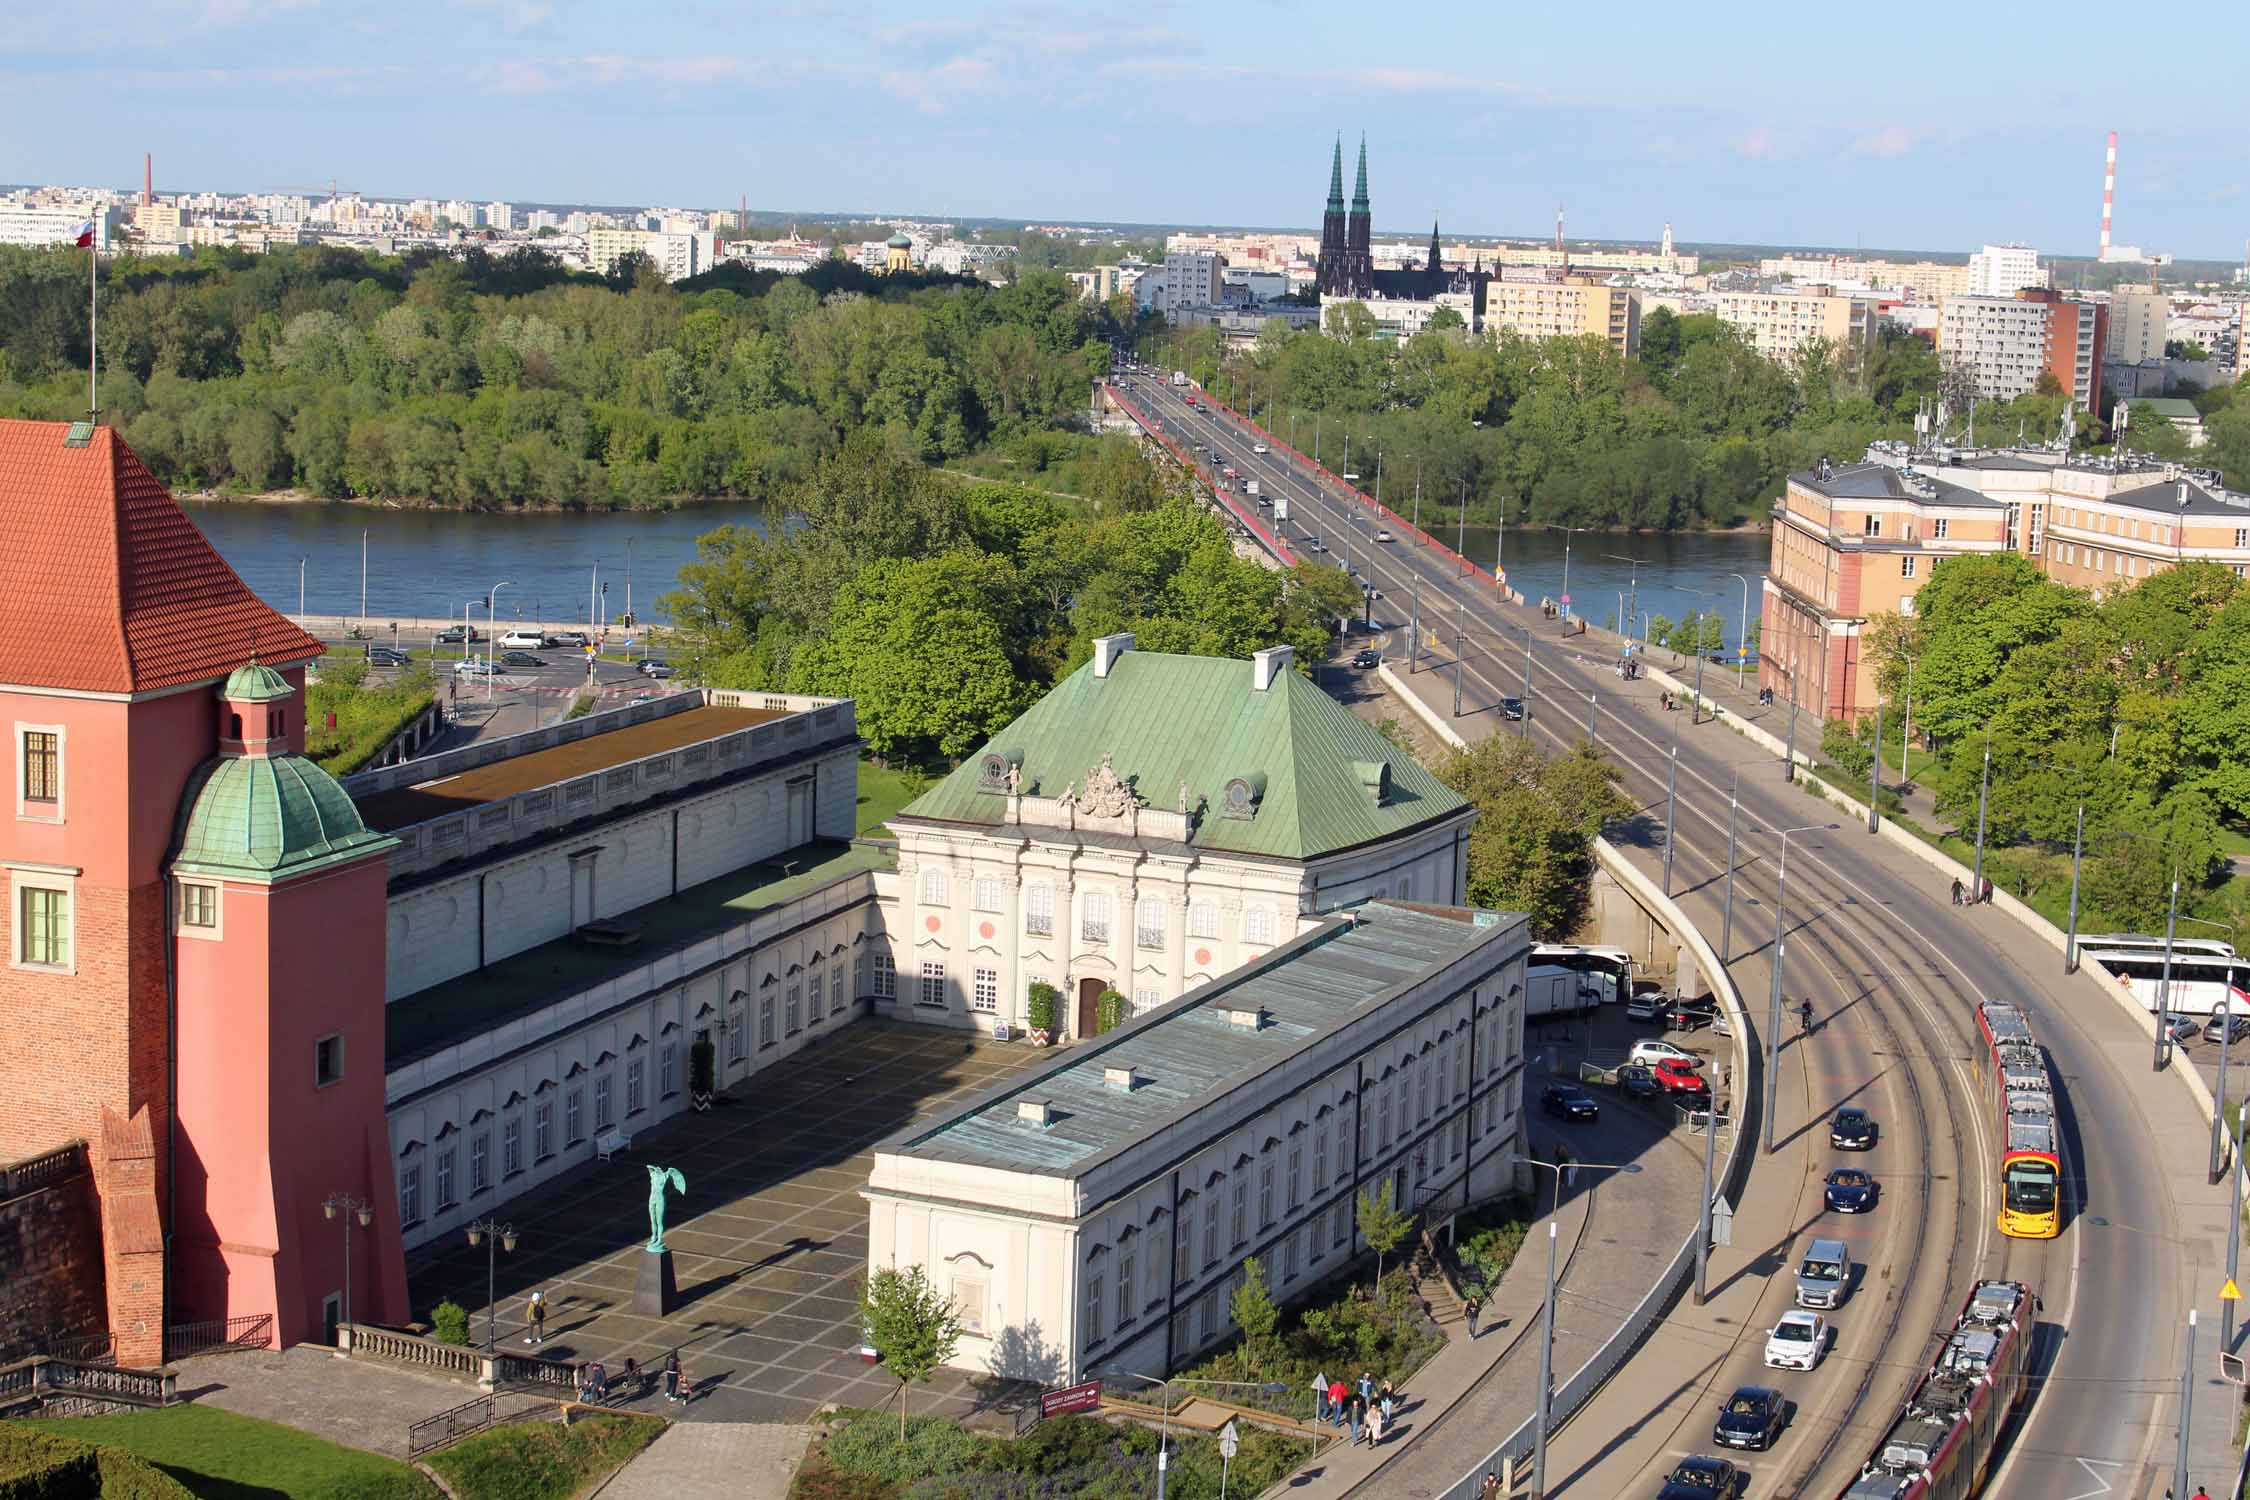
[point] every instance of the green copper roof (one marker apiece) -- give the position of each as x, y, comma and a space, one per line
257, 683
1309, 761
899, 241
1336, 179
268, 818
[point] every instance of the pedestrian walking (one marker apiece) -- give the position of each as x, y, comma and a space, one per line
1490, 1489
536, 1312
1469, 1310
1390, 1402
1366, 1386
2201, 1493
1337, 1395
1320, 1396
1987, 897
672, 1376
1376, 1422
1957, 890
1351, 1418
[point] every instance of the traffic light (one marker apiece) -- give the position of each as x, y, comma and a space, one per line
605, 588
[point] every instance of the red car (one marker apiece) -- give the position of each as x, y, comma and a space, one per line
1677, 1077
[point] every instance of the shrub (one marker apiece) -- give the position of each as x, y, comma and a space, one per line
47, 1466
1109, 1011
543, 1460
366, 718
449, 1323
1039, 1009
867, 1444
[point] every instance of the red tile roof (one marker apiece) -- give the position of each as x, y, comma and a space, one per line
105, 584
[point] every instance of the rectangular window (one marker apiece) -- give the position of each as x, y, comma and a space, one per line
987, 993
604, 1117
2241, 539
1183, 1256
1296, 1165
636, 1086
1039, 911
1148, 925
1241, 1211
1289, 1258
1207, 1317
1094, 1309
814, 1004
933, 984
480, 1162
410, 1196
1265, 1196
199, 905
1203, 919
886, 976
1125, 1308
1874, 525
795, 1010
1211, 1234
511, 1145
1317, 1237
574, 1117
1383, 1122
1341, 1217
734, 1037
1906, 566
987, 894
668, 1068
42, 766
328, 1061
1319, 1158
543, 1130
445, 1198
1093, 925
1146, 999
43, 926
936, 890
1938, 525
1422, 1097
765, 1022
1257, 925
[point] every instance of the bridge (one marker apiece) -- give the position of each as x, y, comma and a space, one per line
1895, 972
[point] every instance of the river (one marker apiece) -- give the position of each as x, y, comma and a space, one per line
425, 564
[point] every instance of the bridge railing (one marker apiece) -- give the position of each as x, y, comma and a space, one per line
1257, 528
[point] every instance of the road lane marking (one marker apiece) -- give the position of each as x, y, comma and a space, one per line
2088, 1465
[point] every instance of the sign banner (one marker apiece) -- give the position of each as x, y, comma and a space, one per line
1082, 1397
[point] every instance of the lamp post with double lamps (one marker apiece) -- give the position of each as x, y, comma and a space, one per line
1773, 1007
494, 1236
2187, 1353
1568, 532
1742, 639
1164, 1428
345, 1206
1547, 1316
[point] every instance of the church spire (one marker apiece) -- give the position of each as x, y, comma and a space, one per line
1336, 178
1435, 264
1359, 193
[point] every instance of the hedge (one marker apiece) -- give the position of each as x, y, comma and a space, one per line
43, 1466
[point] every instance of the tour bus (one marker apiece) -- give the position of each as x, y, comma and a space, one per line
2019, 1093
2203, 983
1603, 976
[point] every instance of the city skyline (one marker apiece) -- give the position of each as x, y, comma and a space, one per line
1734, 137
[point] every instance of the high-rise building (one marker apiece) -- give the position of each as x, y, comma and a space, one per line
1192, 278
2005, 343
499, 216
1778, 324
2137, 318
2004, 270
1580, 305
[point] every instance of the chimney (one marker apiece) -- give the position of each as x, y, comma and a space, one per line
1269, 664
148, 178
1126, 1079
1251, 1018
1108, 648
1035, 1112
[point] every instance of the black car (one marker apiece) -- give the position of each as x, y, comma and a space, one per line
1367, 660
1851, 1129
521, 659
387, 656
1569, 1102
1850, 1191
1750, 1418
1636, 1079
1701, 1478
1511, 708
1687, 1015
459, 633
2227, 1028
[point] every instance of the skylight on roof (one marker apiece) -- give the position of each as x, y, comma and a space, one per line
81, 435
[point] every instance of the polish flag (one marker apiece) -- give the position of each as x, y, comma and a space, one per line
85, 235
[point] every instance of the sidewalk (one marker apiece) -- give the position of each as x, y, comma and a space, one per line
358, 1403
714, 1461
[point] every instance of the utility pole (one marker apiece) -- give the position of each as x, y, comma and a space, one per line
1703, 1236
1984, 784
1734, 816
1875, 771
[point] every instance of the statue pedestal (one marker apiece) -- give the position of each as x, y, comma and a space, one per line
655, 1292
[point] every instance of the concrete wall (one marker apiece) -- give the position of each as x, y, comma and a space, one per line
50, 1262
433, 929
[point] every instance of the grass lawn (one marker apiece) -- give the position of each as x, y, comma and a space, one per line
883, 790
543, 1460
1920, 762
222, 1456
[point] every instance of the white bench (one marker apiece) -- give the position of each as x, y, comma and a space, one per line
610, 1142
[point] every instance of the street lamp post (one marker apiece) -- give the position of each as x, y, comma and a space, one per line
1547, 1316
348, 1207
1703, 1236
1672, 806
1984, 785
363, 575
301, 588
2077, 850
1773, 1007
1632, 584
1526, 719
1742, 638
628, 578
2163, 1055
495, 1237
1696, 708
1459, 643
1734, 815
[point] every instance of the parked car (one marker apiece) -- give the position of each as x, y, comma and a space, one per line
521, 659
1700, 1478
1654, 1052
1639, 1082
456, 634
1687, 1015
657, 669
1750, 1418
1646, 1005
473, 666
1511, 708
1567, 1101
569, 638
2182, 1028
1677, 1077
524, 640
2226, 1028
1852, 1129
1797, 1341
1850, 1190
387, 656
1367, 661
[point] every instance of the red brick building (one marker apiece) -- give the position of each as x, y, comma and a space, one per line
187, 903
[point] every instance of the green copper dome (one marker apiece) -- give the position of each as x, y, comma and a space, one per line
268, 818
257, 683
899, 241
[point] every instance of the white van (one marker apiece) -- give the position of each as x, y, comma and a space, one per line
522, 640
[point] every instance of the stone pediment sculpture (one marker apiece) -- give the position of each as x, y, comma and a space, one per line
1107, 794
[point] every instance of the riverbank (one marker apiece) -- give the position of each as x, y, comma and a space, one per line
287, 498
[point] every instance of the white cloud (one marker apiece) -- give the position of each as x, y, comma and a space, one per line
516, 16
1757, 144
1891, 140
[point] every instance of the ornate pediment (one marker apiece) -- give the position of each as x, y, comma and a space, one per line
1107, 794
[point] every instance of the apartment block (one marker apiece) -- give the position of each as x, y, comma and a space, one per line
1565, 309
2004, 270
2137, 321
1778, 324
2005, 343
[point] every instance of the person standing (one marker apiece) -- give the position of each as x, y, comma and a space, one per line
672, 1376
1490, 1489
1376, 1422
1469, 1309
537, 1314
1366, 1386
1351, 1419
1389, 1402
1956, 890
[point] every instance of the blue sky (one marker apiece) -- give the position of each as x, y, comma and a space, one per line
1795, 128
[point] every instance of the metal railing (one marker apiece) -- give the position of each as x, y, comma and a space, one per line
219, 1336
468, 1419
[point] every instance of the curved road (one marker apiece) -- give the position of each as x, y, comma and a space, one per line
2115, 1298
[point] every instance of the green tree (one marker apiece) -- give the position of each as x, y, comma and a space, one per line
1531, 848
911, 1325
1381, 1223
1257, 1317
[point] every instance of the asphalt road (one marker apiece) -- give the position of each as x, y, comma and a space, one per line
518, 699
1873, 933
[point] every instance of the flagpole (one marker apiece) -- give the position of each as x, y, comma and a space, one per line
93, 332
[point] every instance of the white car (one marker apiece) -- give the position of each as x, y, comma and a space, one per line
1382, 536
1650, 1053
473, 666
1257, 447
523, 640
1797, 1341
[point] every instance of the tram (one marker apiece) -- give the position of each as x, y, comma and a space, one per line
2021, 1094
1941, 1446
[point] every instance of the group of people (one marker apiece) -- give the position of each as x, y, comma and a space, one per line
592, 1380
1964, 896
1368, 1406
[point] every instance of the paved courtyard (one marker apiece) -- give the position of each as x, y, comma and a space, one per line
769, 1245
